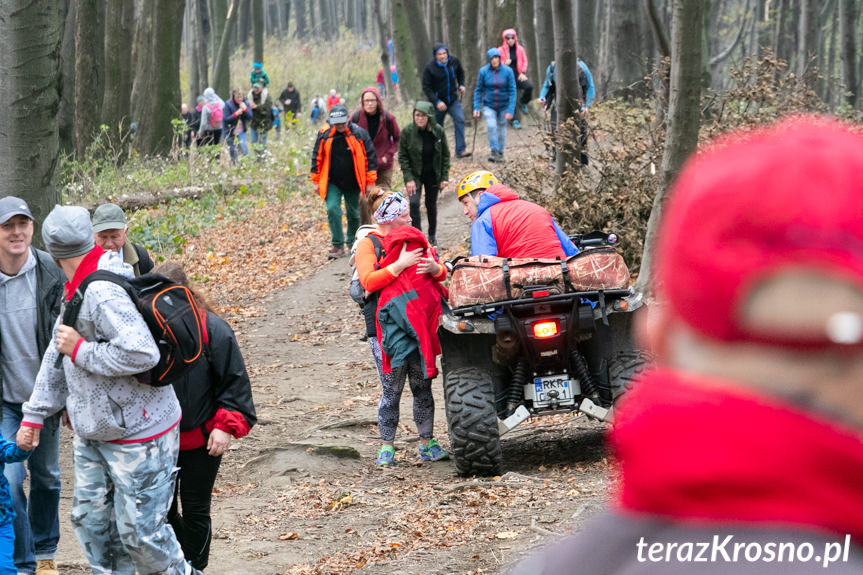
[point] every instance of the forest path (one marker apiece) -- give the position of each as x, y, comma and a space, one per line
286, 502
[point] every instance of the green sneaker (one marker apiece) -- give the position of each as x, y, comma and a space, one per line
385, 456
433, 452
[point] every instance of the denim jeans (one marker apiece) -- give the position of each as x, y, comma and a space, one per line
120, 506
237, 141
455, 110
259, 135
495, 123
37, 524
334, 214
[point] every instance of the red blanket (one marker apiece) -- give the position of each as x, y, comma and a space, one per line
409, 308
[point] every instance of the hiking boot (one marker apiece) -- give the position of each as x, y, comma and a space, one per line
335, 253
461, 155
524, 108
516, 124
385, 456
498, 155
493, 156
433, 241
46, 567
433, 452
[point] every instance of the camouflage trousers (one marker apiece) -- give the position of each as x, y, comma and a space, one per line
121, 499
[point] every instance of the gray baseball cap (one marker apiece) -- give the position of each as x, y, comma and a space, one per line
338, 115
108, 217
67, 232
11, 206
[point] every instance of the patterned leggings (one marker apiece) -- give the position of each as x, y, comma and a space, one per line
392, 385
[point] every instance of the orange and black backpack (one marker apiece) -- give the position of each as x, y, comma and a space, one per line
169, 310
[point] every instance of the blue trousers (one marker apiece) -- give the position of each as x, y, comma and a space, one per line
455, 110
36, 524
7, 543
495, 123
235, 142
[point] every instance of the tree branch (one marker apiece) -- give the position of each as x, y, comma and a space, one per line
727, 52
657, 29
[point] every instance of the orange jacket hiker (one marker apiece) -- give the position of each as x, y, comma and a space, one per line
362, 151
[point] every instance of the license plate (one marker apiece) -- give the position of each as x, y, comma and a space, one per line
552, 388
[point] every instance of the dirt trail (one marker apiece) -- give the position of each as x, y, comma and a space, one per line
288, 502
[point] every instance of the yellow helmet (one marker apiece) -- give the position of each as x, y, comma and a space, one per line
479, 180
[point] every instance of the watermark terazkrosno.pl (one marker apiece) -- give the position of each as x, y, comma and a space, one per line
725, 549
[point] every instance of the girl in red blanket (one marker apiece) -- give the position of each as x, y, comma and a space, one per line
403, 303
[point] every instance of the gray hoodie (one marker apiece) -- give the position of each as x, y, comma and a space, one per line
104, 400
210, 99
19, 354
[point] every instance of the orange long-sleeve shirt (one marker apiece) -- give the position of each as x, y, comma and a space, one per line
375, 279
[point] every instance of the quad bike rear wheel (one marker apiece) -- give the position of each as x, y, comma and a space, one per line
470, 413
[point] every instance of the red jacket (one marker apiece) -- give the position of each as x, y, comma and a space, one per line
409, 308
512, 228
521, 56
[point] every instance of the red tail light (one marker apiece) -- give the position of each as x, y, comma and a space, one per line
545, 329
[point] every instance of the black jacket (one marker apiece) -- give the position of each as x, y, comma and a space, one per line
296, 105
440, 83
216, 391
49, 287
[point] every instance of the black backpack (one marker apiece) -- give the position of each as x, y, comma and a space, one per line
169, 310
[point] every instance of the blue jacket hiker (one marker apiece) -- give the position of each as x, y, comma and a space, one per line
9, 453
494, 98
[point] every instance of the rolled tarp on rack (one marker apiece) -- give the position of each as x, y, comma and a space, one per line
485, 279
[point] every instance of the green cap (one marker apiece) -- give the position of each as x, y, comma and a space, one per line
108, 217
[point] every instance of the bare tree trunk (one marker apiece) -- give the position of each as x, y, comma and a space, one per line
406, 60
383, 30
88, 79
472, 53
162, 102
587, 37
527, 37
681, 135
325, 19
566, 77
300, 16
66, 84
258, 29
848, 20
420, 43
437, 21
222, 73
119, 19
221, 80
544, 41
806, 44
453, 23
502, 15
624, 70
244, 24
313, 26
201, 35
831, 57
30, 37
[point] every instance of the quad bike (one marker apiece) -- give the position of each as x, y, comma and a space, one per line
547, 351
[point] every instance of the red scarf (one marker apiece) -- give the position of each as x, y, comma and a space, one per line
706, 453
87, 266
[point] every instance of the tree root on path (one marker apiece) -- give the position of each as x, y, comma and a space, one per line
508, 479
342, 423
